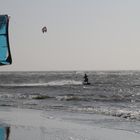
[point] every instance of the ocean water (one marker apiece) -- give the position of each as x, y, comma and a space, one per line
111, 93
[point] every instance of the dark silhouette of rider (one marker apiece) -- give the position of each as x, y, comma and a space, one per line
85, 78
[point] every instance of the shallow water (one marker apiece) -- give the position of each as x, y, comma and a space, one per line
62, 125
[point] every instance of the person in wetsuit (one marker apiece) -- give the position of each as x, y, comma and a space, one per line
85, 78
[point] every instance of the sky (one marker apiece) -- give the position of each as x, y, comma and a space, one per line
82, 34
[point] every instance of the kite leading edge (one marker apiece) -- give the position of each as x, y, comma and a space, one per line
5, 54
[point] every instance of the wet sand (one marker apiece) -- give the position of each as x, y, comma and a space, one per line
29, 124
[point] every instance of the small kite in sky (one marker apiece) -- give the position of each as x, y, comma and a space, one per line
44, 29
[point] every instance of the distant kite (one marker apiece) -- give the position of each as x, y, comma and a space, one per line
5, 54
44, 29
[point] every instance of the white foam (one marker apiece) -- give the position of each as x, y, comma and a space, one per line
51, 83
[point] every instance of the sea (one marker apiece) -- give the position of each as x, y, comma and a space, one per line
111, 93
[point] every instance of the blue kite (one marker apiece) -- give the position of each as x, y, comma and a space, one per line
5, 53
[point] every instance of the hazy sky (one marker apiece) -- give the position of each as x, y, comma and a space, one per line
82, 34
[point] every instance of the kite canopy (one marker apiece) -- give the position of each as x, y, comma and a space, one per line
44, 29
5, 54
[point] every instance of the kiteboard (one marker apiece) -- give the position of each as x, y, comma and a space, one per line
86, 83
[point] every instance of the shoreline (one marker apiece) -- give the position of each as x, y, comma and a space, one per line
47, 125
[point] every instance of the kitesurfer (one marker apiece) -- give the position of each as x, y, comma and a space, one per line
86, 78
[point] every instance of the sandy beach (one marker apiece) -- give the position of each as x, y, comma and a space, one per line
32, 124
